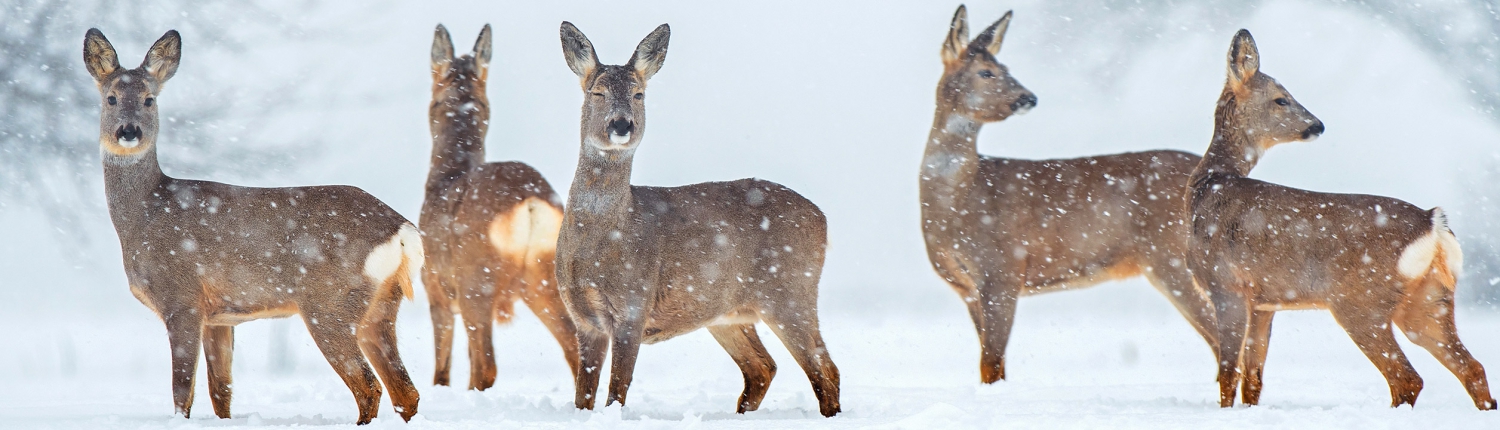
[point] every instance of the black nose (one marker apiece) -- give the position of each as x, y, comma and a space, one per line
128, 132
1026, 101
1313, 130
620, 127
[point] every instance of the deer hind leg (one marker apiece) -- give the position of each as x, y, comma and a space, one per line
476, 305
543, 299
1426, 317
592, 344
996, 307
377, 339
440, 302
334, 332
185, 336
218, 349
1177, 285
798, 329
744, 346
1371, 330
1256, 344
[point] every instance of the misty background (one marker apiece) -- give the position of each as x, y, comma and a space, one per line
833, 99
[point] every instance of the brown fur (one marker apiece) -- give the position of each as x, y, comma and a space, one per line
484, 224
998, 229
1258, 247
206, 256
645, 264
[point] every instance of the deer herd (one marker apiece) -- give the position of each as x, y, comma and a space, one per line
616, 265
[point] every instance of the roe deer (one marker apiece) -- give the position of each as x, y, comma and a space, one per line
206, 256
1000, 228
1259, 247
490, 229
645, 264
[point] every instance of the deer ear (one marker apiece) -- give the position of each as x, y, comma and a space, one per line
958, 37
578, 52
990, 39
482, 47
161, 61
99, 56
651, 52
442, 51
1244, 58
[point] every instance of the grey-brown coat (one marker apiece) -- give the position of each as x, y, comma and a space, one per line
490, 229
206, 256
1259, 247
644, 264
1000, 228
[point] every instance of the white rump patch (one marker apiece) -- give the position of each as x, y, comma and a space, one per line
530, 228
1419, 254
386, 258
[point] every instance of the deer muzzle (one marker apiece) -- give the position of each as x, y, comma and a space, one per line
128, 135
1313, 131
1023, 104
619, 130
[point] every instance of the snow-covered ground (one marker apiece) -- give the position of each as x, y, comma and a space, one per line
1116, 356
833, 99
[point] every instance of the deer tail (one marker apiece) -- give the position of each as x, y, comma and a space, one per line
1435, 253
402, 257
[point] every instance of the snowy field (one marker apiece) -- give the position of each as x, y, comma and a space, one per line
833, 99
1116, 356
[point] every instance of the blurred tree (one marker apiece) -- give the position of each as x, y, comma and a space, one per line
49, 105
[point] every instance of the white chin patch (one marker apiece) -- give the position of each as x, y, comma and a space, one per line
619, 139
129, 143
1022, 111
1311, 138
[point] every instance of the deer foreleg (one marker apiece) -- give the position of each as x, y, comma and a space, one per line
625, 345
997, 306
185, 335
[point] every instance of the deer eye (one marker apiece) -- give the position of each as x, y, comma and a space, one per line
150, 101
639, 96
986, 74
598, 94
1282, 101
113, 100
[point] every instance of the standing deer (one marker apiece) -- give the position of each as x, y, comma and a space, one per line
1259, 247
490, 229
646, 264
206, 256
1001, 228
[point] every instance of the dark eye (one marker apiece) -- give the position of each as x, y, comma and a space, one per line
986, 74
113, 100
1282, 101
150, 101
598, 94
639, 96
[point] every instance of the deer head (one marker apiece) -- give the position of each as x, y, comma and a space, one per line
1259, 106
128, 122
460, 80
614, 108
974, 84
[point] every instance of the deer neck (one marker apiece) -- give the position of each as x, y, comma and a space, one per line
457, 143
601, 186
1232, 152
951, 160
130, 185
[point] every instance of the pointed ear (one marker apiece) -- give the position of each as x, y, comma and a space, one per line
958, 37
99, 56
442, 51
161, 61
993, 36
482, 47
578, 51
1244, 58
651, 52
